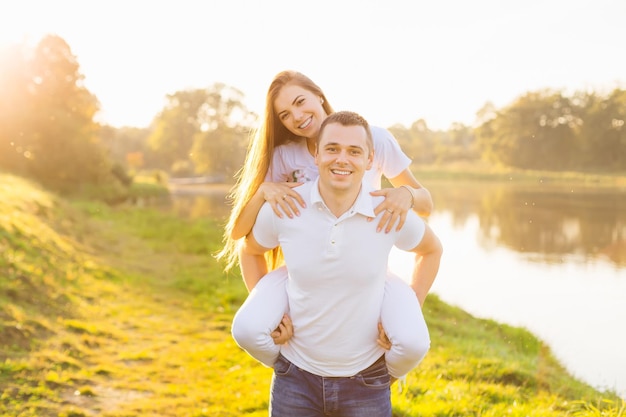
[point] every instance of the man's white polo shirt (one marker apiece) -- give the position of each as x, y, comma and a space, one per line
337, 269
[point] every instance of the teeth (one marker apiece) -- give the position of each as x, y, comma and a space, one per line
338, 172
305, 124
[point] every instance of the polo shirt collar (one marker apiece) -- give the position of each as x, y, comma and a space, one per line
364, 203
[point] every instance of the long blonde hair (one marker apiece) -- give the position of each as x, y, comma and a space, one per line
263, 141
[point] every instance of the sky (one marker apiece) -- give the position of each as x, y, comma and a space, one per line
393, 61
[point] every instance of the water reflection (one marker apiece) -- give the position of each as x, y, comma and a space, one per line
546, 223
550, 259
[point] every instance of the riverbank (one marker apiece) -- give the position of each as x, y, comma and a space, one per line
120, 311
479, 171
148, 183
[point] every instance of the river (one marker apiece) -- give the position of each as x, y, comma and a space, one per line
548, 258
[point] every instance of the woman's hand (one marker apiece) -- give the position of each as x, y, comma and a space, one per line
282, 197
383, 341
397, 203
283, 332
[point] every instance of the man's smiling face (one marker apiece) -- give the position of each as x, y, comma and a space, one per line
343, 156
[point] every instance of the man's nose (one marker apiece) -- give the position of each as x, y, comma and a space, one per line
342, 156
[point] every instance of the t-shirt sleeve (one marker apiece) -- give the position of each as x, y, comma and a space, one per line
392, 159
277, 171
264, 229
412, 232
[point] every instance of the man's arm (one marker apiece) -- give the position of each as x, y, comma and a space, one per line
427, 259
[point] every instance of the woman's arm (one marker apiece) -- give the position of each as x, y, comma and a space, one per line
408, 194
253, 267
252, 261
422, 200
277, 194
245, 221
427, 259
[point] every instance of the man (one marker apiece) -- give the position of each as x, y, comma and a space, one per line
337, 264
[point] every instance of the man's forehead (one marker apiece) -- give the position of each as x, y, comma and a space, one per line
339, 134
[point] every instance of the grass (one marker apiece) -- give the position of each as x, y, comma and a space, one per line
122, 311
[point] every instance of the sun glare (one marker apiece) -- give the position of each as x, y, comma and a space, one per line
20, 23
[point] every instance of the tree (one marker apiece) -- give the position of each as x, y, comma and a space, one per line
403, 136
418, 141
51, 136
14, 108
176, 126
64, 143
537, 131
207, 127
219, 149
219, 152
126, 145
457, 144
603, 136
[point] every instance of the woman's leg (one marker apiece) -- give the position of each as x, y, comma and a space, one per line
260, 314
404, 324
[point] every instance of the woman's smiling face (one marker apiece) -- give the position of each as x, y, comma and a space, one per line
299, 110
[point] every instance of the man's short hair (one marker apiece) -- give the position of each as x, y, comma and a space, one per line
348, 118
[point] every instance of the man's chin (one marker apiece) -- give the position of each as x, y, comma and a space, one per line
342, 185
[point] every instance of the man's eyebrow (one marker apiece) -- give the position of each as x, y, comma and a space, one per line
349, 146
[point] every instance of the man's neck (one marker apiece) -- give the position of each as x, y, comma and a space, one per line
338, 201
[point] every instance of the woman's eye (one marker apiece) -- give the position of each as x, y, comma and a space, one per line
300, 101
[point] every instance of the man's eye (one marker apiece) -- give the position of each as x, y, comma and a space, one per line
300, 101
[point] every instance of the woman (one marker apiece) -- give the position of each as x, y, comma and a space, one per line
279, 159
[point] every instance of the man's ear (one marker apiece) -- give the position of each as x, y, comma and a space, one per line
370, 160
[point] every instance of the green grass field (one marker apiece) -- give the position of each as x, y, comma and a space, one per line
123, 311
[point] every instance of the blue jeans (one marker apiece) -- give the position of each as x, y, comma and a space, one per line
296, 392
